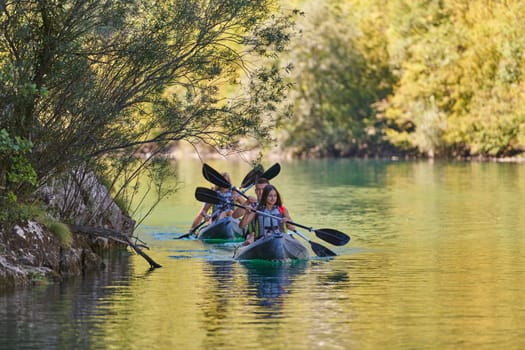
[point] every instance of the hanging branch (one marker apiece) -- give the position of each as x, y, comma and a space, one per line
116, 236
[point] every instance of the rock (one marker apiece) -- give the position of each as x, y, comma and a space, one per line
86, 201
31, 254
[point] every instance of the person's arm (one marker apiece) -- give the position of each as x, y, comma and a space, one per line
246, 219
201, 215
238, 212
287, 217
250, 237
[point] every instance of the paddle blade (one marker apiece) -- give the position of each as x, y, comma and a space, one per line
251, 177
321, 250
214, 176
332, 236
208, 196
272, 171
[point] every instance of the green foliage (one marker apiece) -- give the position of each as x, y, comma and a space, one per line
438, 78
17, 176
105, 67
58, 229
460, 69
62, 232
15, 168
87, 79
37, 278
340, 72
135, 180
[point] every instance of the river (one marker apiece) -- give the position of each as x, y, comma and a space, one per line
436, 261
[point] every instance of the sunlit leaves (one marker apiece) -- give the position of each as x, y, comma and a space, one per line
441, 78
340, 71
108, 76
460, 62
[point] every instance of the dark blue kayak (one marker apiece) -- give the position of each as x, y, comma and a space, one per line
275, 247
226, 228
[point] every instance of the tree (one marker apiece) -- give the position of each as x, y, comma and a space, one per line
341, 70
460, 68
426, 66
493, 70
85, 79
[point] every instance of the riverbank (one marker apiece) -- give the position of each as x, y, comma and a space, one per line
183, 150
32, 252
31, 255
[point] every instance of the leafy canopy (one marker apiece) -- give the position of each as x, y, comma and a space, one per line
84, 79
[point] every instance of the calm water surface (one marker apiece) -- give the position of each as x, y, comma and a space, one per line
436, 261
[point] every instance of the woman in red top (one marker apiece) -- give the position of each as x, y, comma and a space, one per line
262, 225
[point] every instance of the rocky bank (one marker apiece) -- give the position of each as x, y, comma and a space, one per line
30, 253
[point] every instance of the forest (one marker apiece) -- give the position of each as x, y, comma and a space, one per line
85, 83
423, 78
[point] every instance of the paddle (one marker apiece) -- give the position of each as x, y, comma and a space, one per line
217, 179
319, 250
203, 194
251, 177
214, 176
192, 231
329, 235
269, 174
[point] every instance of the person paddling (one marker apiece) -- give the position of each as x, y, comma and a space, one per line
218, 211
252, 201
261, 225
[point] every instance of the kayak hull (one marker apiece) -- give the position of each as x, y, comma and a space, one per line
226, 228
276, 247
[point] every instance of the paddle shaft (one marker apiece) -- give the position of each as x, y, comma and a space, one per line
301, 235
215, 177
273, 216
331, 236
319, 250
196, 227
210, 195
192, 231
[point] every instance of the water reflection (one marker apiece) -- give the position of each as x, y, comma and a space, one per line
436, 262
63, 312
269, 283
335, 278
215, 304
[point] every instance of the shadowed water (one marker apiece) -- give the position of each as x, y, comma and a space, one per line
436, 261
